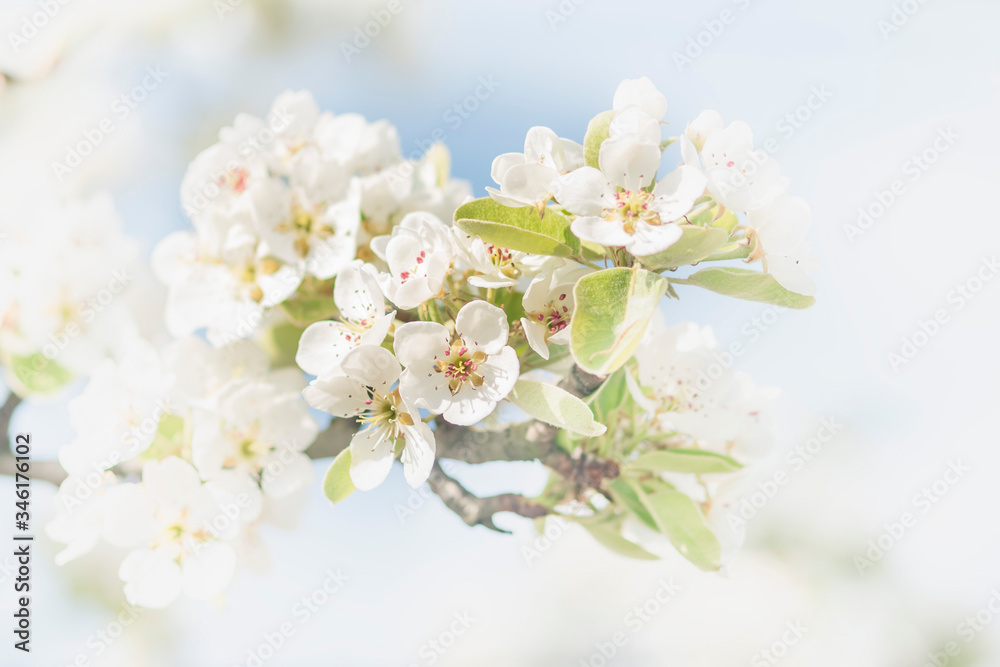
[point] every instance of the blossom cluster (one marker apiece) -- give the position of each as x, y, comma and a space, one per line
281, 204
65, 265
180, 454
621, 203
375, 289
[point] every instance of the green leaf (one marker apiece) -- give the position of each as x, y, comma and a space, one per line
39, 374
555, 406
282, 343
748, 284
608, 533
681, 520
612, 310
696, 244
597, 132
518, 228
169, 439
628, 493
696, 461
727, 221
303, 311
610, 395
739, 252
511, 302
337, 483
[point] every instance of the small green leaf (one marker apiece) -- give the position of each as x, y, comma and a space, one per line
628, 493
597, 132
696, 461
337, 483
748, 284
39, 374
681, 520
555, 406
612, 310
696, 244
519, 228
608, 533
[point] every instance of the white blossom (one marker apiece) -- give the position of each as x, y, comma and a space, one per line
461, 377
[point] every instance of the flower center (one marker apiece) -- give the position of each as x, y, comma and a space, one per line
555, 314
461, 365
384, 412
303, 225
502, 259
632, 207
419, 268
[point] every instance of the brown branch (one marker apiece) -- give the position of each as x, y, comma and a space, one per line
49, 471
476, 511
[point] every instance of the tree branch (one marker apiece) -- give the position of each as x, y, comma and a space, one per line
475, 511
50, 471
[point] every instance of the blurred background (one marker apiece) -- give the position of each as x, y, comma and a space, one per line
855, 95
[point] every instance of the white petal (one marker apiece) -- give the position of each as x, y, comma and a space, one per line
677, 191
640, 92
529, 183
418, 454
373, 366
782, 224
340, 396
208, 569
651, 239
420, 343
628, 163
535, 333
601, 231
482, 326
371, 458
542, 146
792, 271
424, 387
152, 578
357, 293
284, 472
129, 512
585, 191
171, 481
502, 163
